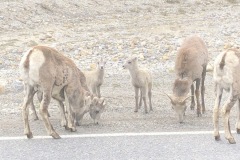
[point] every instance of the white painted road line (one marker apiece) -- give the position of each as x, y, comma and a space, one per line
115, 135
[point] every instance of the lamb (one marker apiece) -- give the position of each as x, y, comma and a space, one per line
55, 75
226, 76
190, 67
95, 78
141, 79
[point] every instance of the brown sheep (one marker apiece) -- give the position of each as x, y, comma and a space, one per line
226, 76
190, 67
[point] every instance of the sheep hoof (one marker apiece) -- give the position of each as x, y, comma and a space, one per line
231, 141
217, 138
35, 119
66, 127
73, 129
63, 124
199, 114
192, 107
77, 124
238, 131
29, 135
55, 135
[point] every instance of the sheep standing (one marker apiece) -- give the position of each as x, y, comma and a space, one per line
226, 76
190, 66
59, 98
141, 80
54, 74
95, 78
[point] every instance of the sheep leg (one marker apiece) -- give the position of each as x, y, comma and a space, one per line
29, 90
143, 90
192, 98
197, 93
216, 112
44, 112
68, 93
70, 120
140, 101
62, 113
203, 88
226, 113
79, 118
33, 108
40, 97
238, 122
150, 97
136, 98
94, 90
98, 92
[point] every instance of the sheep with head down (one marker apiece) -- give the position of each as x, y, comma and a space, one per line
190, 68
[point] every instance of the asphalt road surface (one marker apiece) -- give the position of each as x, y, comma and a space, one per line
155, 145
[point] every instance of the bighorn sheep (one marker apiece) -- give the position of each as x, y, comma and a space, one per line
190, 66
60, 98
55, 75
226, 76
141, 79
95, 78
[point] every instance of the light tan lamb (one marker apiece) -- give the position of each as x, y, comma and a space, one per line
141, 80
226, 76
55, 75
95, 77
190, 67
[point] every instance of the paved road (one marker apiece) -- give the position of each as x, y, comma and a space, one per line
162, 146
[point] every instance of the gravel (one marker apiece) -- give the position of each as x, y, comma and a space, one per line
115, 30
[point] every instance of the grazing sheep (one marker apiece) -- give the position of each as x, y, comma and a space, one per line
226, 76
95, 110
141, 79
60, 99
190, 66
54, 74
95, 78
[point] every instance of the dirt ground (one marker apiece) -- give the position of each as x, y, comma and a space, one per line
115, 30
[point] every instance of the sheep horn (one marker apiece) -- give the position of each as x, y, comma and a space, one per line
186, 98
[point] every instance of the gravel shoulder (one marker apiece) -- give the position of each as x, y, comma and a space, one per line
115, 30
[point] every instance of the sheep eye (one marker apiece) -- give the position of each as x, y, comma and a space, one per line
129, 62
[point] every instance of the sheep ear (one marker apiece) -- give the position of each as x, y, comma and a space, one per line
88, 100
171, 97
102, 101
185, 99
95, 101
88, 93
